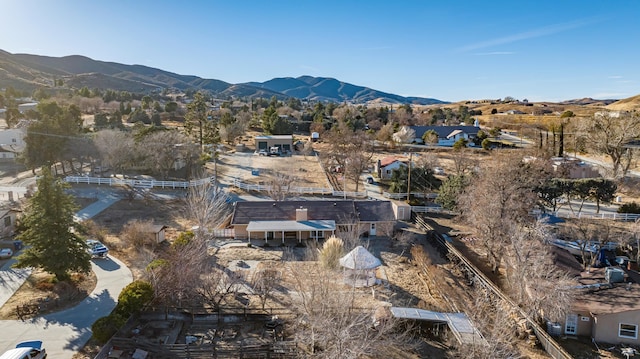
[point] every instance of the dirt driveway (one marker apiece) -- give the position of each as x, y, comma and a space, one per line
255, 169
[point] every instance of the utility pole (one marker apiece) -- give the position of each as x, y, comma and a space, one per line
409, 178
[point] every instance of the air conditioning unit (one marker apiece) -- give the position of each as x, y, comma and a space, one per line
614, 275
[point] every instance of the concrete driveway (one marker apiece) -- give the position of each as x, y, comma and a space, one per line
64, 333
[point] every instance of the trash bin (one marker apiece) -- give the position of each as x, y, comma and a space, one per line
17, 245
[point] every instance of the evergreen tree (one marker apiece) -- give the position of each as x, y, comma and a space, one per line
198, 123
50, 233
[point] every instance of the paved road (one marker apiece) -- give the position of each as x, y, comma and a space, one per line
64, 333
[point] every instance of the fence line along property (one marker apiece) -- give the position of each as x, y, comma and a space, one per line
112, 181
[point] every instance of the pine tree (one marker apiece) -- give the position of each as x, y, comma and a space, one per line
50, 232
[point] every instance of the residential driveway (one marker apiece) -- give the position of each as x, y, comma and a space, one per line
64, 333
11, 279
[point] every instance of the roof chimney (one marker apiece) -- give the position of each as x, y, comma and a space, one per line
301, 214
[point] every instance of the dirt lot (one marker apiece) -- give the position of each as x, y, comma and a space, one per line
306, 170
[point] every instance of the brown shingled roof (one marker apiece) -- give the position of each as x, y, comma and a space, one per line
340, 211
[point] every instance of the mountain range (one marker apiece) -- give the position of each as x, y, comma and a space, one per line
29, 72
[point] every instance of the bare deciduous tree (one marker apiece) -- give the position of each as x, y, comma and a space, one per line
162, 149
533, 280
280, 186
207, 206
175, 276
264, 282
138, 234
218, 284
492, 320
608, 133
499, 200
116, 149
404, 135
331, 325
463, 162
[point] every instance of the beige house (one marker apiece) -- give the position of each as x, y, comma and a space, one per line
8, 218
573, 168
606, 310
303, 220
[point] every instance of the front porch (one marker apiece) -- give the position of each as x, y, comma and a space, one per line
282, 231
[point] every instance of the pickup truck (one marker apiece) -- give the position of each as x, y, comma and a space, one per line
96, 248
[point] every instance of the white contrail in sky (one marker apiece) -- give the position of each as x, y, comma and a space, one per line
531, 34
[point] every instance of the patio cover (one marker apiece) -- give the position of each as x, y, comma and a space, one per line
360, 258
291, 226
459, 323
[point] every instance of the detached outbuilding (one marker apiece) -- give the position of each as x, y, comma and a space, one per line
284, 142
157, 232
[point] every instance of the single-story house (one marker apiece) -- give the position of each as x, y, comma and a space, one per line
12, 142
303, 220
285, 142
8, 218
24, 107
606, 309
385, 166
573, 168
447, 135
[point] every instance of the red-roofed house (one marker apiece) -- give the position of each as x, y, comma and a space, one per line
385, 166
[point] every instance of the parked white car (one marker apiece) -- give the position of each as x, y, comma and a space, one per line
26, 350
96, 248
6, 253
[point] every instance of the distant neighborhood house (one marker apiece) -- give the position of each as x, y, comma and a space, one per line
11, 143
8, 220
447, 135
385, 166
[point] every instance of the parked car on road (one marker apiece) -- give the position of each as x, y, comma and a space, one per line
263, 152
96, 248
26, 350
438, 170
6, 253
370, 180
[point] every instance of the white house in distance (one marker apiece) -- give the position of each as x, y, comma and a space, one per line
385, 166
11, 143
447, 135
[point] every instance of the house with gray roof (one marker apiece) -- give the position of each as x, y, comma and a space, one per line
303, 220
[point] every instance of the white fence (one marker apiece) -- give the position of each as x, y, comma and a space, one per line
404, 195
626, 217
298, 190
113, 181
430, 209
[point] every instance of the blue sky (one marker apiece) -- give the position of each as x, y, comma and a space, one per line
449, 50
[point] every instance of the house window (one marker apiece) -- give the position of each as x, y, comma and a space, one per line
7, 221
571, 324
628, 331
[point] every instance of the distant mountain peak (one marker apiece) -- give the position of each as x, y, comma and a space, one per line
28, 72
330, 89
